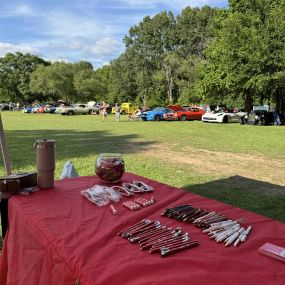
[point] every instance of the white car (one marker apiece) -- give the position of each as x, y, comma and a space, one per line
222, 117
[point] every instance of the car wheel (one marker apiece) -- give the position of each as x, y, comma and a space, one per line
183, 118
261, 122
157, 118
70, 113
123, 112
225, 119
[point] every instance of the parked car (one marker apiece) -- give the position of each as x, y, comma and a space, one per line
126, 108
78, 109
36, 107
96, 109
49, 108
156, 114
260, 115
221, 116
175, 108
41, 109
191, 113
27, 109
4, 107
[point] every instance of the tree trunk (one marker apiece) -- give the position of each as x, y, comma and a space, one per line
248, 102
169, 80
170, 97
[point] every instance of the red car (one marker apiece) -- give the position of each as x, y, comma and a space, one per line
175, 108
193, 113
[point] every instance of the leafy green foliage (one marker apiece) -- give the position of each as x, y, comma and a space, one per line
233, 56
15, 71
245, 62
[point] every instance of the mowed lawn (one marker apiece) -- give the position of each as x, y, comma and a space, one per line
239, 165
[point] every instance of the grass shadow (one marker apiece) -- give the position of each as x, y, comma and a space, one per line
69, 144
257, 196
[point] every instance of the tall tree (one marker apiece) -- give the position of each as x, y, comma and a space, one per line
242, 61
15, 71
55, 81
194, 31
171, 64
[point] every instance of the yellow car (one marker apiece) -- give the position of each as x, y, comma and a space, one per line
126, 108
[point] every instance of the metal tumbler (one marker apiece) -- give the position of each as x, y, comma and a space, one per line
45, 157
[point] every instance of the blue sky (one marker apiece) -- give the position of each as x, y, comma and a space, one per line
74, 30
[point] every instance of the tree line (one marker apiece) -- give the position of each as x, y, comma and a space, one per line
233, 56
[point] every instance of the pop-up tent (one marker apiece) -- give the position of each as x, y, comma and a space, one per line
4, 203
4, 149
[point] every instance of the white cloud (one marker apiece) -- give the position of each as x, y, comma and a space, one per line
63, 24
175, 4
105, 46
18, 11
8, 47
23, 10
89, 30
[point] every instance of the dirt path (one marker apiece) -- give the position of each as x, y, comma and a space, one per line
223, 163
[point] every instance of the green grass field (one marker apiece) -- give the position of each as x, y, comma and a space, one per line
239, 165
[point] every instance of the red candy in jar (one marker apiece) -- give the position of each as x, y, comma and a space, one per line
110, 167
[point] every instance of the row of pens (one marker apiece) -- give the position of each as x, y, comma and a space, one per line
217, 225
158, 238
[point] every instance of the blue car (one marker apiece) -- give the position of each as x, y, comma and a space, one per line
27, 109
155, 114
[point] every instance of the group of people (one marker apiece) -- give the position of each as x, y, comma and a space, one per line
132, 117
14, 106
104, 111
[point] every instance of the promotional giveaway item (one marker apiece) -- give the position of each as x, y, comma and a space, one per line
102, 195
156, 238
217, 225
45, 157
273, 251
138, 204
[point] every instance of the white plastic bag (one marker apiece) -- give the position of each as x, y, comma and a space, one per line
101, 195
68, 171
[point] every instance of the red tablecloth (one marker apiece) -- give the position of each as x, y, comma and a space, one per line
57, 236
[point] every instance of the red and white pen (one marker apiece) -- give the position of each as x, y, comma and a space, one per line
114, 211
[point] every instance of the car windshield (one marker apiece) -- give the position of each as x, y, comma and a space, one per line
218, 111
261, 108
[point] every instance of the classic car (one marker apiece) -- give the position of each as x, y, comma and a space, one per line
222, 116
191, 113
41, 109
74, 109
175, 108
260, 115
50, 109
155, 114
36, 107
126, 108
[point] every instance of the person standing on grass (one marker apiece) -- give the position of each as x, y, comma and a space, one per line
104, 110
117, 112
